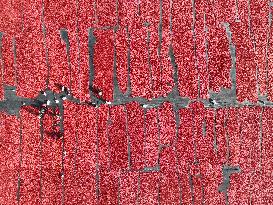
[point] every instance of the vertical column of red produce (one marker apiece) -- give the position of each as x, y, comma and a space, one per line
221, 117
127, 12
221, 137
73, 56
249, 160
233, 129
118, 139
52, 172
149, 188
206, 169
211, 152
30, 52
108, 187
269, 57
199, 132
136, 132
107, 179
86, 155
246, 65
183, 47
163, 46
129, 187
233, 134
259, 12
86, 11
2, 26
152, 137
106, 16
71, 160
10, 156
7, 61
185, 153
157, 15
118, 156
170, 187
60, 25
201, 45
31, 181
4, 18
106, 13
10, 26
104, 63
123, 51
140, 73
167, 124
198, 112
103, 136
265, 182
219, 54
2, 70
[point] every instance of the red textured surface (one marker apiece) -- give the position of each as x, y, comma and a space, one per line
136, 129
7, 60
30, 168
85, 156
169, 184
149, 186
159, 166
183, 46
104, 63
30, 54
9, 158
128, 187
246, 77
51, 167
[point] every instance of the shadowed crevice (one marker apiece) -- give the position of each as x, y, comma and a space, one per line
224, 186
